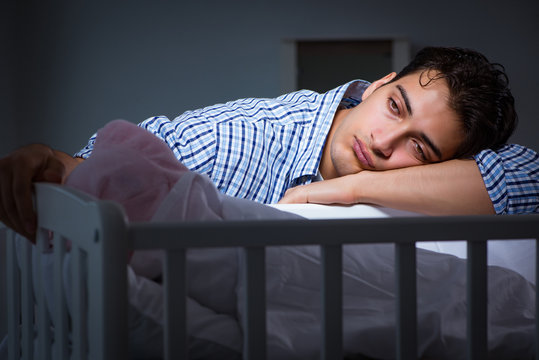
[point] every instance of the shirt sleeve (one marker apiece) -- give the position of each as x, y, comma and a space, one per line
190, 137
511, 176
86, 151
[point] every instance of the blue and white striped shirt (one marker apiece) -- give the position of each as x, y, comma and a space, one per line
253, 148
511, 175
258, 148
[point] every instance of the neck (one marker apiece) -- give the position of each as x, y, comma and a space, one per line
327, 170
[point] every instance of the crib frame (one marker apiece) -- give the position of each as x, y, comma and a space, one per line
100, 238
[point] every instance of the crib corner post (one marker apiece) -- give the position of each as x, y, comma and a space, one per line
112, 243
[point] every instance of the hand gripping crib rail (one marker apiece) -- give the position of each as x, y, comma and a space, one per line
100, 238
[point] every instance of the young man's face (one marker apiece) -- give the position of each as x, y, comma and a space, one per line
400, 124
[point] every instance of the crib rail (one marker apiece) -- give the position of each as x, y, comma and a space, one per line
331, 235
96, 231
103, 332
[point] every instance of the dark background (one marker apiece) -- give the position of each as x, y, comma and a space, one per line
70, 67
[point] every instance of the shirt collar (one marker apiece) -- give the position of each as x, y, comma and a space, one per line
309, 160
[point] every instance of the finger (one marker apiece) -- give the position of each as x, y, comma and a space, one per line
22, 192
53, 171
284, 199
9, 212
39, 168
4, 216
293, 196
26, 169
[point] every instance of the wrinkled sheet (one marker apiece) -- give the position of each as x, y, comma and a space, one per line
136, 169
516, 254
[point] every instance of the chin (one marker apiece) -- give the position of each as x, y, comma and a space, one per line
345, 165
343, 171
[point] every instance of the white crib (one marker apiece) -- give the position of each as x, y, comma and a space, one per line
100, 238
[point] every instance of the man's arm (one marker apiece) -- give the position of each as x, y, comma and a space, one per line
18, 171
448, 188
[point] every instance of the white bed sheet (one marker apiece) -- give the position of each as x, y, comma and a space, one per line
293, 287
517, 254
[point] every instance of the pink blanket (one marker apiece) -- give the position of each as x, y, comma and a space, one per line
121, 148
133, 167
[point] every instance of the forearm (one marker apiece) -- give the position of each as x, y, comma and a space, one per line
448, 188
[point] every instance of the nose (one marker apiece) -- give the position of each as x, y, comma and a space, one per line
384, 141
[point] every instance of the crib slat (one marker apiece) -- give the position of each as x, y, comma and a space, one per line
60, 306
14, 298
175, 281
405, 265
476, 285
27, 306
43, 319
332, 342
79, 306
254, 342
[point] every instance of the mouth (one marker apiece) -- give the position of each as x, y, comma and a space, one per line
362, 154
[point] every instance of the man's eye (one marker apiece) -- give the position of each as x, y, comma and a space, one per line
419, 150
393, 106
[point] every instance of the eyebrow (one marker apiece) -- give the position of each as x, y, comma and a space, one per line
404, 95
430, 144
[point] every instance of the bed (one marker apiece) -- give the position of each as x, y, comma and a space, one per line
83, 312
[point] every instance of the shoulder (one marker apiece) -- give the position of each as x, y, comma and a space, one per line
511, 175
511, 158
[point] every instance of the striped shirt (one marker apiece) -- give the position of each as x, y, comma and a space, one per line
258, 148
511, 176
254, 148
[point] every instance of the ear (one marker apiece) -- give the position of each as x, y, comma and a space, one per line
376, 84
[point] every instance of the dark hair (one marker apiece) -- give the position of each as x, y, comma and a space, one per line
479, 94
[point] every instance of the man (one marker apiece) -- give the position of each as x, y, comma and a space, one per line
447, 103
514, 165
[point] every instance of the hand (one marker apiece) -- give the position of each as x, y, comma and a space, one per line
295, 195
334, 191
18, 171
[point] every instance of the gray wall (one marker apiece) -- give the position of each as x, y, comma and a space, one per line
77, 66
